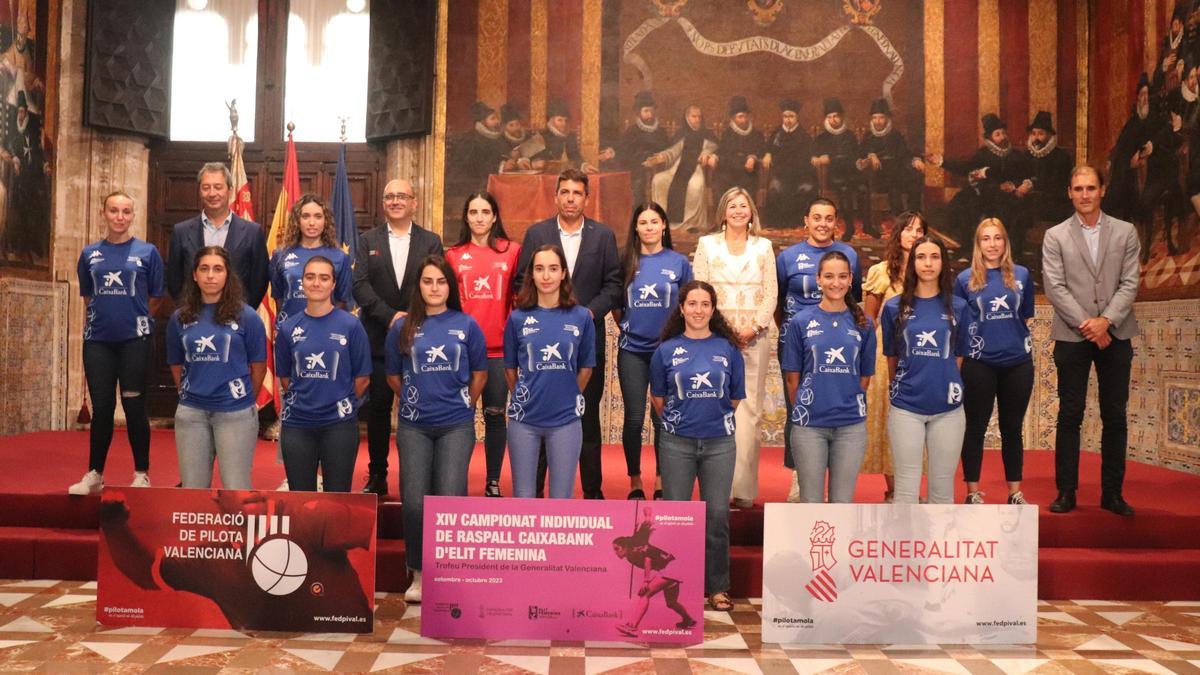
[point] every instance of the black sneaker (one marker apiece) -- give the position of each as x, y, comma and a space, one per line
1017, 497
376, 484
492, 489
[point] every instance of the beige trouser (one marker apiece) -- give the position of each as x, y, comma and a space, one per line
748, 416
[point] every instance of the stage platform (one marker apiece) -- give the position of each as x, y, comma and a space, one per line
1090, 553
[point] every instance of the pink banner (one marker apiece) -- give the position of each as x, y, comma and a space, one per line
563, 569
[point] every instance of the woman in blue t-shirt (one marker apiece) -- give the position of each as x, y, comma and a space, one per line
217, 350
121, 281
323, 361
549, 353
310, 231
697, 379
998, 364
922, 338
653, 273
827, 362
436, 359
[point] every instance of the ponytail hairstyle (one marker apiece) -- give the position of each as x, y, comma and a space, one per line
908, 295
229, 307
860, 317
416, 303
633, 243
717, 323
979, 268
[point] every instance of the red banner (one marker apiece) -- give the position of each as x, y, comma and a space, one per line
242, 559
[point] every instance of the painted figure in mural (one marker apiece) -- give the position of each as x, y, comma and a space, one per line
1050, 170
1145, 155
639, 143
1090, 263
480, 151
740, 151
559, 143
515, 135
793, 181
26, 231
680, 184
1183, 107
893, 168
835, 152
998, 184
1172, 52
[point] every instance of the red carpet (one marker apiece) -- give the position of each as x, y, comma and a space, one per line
1086, 554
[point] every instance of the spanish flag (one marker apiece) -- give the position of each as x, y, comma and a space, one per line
288, 193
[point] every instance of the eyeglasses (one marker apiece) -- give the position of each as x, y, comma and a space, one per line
398, 197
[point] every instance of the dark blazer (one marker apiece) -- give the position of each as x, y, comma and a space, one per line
375, 285
597, 276
247, 246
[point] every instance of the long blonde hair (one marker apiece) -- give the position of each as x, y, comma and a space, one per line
979, 267
730, 194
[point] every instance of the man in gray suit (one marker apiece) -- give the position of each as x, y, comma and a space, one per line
1090, 263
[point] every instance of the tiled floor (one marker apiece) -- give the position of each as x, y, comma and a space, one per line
50, 626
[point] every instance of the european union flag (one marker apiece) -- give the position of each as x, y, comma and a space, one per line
343, 213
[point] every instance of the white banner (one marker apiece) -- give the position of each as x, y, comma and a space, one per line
899, 574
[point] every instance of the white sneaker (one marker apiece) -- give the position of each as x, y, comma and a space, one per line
413, 594
283, 487
140, 479
794, 493
91, 484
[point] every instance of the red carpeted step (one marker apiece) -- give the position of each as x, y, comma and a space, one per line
1119, 573
49, 553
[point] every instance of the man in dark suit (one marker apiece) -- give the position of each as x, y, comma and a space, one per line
386, 269
591, 252
217, 225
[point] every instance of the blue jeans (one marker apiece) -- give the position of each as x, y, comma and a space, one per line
495, 400
912, 435
435, 461
711, 460
633, 371
334, 447
837, 451
202, 436
562, 451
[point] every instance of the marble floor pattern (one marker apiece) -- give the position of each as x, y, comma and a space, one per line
49, 626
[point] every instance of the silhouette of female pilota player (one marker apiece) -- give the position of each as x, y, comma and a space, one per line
652, 560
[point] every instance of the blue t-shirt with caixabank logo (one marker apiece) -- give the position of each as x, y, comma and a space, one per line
120, 279
997, 332
927, 380
832, 354
698, 381
547, 347
322, 356
650, 299
215, 358
436, 370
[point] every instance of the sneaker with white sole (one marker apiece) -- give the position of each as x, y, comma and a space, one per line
1017, 497
413, 594
794, 493
975, 497
140, 479
91, 484
283, 487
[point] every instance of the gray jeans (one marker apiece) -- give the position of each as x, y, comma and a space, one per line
711, 460
837, 451
228, 437
435, 462
910, 435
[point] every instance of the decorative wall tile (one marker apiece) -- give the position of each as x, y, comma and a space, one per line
33, 370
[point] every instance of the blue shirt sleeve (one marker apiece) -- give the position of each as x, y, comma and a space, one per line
360, 349
866, 358
155, 274
476, 347
1027, 298
256, 336
793, 347
85, 276
960, 285
279, 285
587, 342
283, 355
658, 372
393, 360
737, 374
510, 341
175, 355
345, 283
962, 342
686, 274
887, 319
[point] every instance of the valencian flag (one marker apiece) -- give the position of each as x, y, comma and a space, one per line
343, 214
244, 207
289, 191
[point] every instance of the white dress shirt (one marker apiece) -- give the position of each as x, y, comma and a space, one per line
398, 244
570, 242
1091, 235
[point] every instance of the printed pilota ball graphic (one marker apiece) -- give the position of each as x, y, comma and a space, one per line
279, 566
